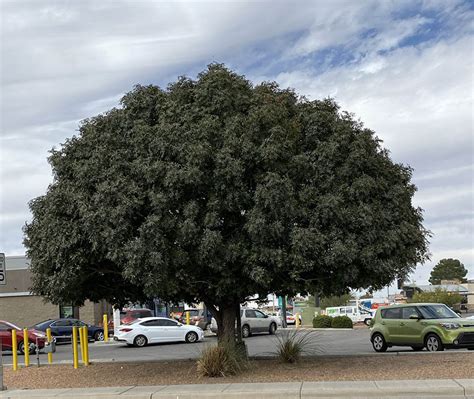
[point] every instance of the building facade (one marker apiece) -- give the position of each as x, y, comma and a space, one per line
19, 306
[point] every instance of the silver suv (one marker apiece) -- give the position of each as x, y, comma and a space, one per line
253, 321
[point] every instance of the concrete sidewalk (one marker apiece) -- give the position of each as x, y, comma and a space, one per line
297, 390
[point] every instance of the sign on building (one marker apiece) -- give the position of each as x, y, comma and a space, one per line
3, 271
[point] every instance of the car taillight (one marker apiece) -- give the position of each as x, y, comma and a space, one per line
126, 329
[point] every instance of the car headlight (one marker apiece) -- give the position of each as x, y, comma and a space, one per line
450, 326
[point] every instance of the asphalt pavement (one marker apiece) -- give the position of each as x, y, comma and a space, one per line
323, 343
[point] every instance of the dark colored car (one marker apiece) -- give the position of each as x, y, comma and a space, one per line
127, 316
197, 317
34, 337
61, 329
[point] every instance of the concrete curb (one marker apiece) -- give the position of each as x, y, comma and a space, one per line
463, 388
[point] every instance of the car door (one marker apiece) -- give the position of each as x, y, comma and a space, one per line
251, 319
409, 330
62, 329
390, 319
152, 330
172, 331
262, 321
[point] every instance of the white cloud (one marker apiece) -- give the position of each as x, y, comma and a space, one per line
64, 61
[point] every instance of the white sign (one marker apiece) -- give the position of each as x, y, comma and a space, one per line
3, 271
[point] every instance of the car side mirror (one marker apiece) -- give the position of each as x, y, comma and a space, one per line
266, 316
180, 325
414, 317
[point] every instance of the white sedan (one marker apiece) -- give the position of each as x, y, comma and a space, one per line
151, 330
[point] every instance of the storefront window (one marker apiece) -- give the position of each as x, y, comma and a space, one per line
66, 311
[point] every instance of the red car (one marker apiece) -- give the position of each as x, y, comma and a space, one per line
34, 337
127, 316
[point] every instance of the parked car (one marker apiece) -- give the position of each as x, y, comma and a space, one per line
433, 326
128, 315
290, 318
150, 330
61, 329
253, 321
34, 337
356, 314
198, 317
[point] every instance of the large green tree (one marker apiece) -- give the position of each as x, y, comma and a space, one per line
448, 269
216, 189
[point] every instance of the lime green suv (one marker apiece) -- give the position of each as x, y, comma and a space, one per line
433, 326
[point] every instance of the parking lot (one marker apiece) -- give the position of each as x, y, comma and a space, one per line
326, 343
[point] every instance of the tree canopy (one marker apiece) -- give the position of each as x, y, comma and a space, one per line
216, 189
448, 269
438, 296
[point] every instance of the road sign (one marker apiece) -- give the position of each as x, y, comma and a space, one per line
3, 271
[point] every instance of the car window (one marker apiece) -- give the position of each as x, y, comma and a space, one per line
143, 314
349, 310
250, 313
437, 312
409, 311
62, 323
391, 313
342, 310
151, 323
78, 323
259, 314
167, 323
192, 313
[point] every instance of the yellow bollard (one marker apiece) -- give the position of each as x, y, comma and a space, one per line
14, 350
187, 319
81, 341
297, 320
75, 356
106, 328
26, 347
50, 339
86, 346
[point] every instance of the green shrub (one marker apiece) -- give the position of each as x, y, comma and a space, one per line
221, 361
341, 322
322, 321
292, 344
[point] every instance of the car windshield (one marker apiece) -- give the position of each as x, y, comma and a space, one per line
437, 312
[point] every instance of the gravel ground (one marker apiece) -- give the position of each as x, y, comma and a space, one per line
426, 366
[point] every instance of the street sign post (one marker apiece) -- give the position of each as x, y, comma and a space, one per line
3, 271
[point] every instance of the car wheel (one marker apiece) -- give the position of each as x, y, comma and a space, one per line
245, 331
99, 336
367, 322
417, 348
378, 343
272, 329
140, 341
433, 343
191, 337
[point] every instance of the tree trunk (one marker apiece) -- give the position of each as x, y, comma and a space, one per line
226, 328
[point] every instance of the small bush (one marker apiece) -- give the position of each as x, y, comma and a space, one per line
221, 361
292, 344
322, 321
341, 322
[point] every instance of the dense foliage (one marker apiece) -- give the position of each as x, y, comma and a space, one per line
214, 190
448, 269
322, 321
341, 322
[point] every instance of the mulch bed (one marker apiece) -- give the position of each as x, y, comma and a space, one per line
426, 366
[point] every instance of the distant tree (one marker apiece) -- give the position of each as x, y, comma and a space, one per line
437, 296
448, 269
335, 300
214, 190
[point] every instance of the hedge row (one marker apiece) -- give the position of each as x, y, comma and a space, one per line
324, 321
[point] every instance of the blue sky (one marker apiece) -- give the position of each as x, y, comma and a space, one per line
403, 67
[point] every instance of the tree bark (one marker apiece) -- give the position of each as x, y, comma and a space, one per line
226, 329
